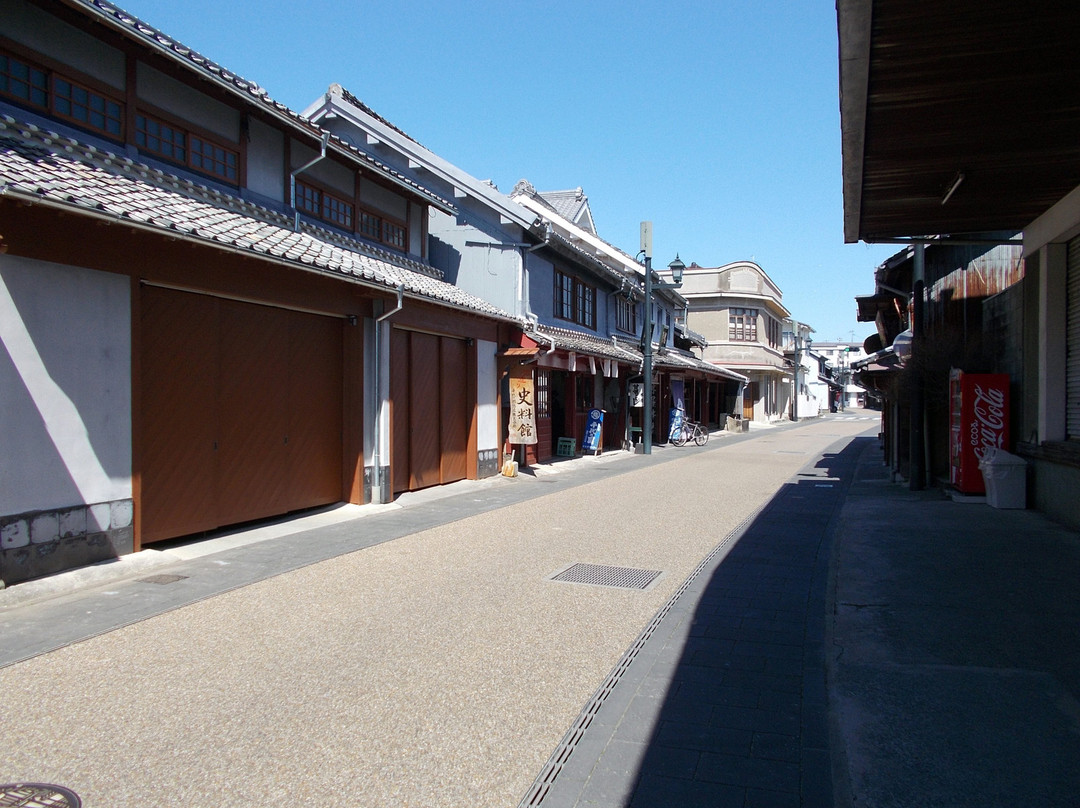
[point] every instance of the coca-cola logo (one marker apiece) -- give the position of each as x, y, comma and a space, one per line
988, 427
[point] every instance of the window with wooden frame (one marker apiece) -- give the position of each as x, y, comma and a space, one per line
61, 96
177, 144
742, 325
324, 205
773, 328
379, 228
575, 300
543, 384
626, 314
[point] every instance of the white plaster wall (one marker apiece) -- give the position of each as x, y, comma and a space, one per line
487, 396
65, 386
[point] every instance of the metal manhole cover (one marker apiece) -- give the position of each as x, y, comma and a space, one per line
38, 795
600, 575
162, 579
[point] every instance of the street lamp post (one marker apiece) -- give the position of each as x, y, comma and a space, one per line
676, 268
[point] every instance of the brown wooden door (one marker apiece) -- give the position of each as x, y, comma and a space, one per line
749, 396
455, 413
399, 408
316, 417
431, 409
424, 435
253, 467
241, 412
179, 377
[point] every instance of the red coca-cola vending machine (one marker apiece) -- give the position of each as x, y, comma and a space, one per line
978, 420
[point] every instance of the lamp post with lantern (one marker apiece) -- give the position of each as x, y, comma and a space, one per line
676, 268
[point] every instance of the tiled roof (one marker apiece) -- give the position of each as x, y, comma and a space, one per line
352, 99
681, 361
568, 340
570, 205
590, 259
676, 360
46, 168
248, 90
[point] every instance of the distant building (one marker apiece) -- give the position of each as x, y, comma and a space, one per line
840, 356
739, 311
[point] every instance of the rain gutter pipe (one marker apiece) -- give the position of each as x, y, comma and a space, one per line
293, 175
377, 483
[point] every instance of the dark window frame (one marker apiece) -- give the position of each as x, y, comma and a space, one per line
326, 205
626, 314
152, 124
742, 324
542, 398
575, 300
377, 226
62, 94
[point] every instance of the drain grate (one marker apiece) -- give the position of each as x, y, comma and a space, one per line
38, 795
162, 579
600, 575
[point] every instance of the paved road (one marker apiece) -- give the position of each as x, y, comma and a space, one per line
440, 668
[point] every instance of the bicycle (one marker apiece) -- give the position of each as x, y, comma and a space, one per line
691, 431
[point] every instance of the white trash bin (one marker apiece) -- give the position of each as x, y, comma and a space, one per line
1005, 476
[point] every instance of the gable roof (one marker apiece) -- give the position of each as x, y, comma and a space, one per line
40, 167
587, 244
572, 205
353, 114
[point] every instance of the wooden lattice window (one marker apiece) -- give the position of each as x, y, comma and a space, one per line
59, 95
177, 145
742, 325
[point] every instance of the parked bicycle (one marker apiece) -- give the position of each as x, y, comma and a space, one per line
691, 431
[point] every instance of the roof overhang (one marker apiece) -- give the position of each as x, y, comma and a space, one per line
958, 117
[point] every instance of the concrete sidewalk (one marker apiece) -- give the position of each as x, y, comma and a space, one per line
955, 651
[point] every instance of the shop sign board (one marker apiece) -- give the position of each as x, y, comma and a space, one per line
594, 430
522, 407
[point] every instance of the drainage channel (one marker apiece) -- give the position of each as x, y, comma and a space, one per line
559, 758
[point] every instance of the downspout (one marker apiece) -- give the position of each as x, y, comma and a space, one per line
293, 175
524, 299
378, 481
551, 341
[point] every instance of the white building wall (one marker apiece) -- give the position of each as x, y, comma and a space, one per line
65, 386
487, 408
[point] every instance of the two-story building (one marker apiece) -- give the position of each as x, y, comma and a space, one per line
195, 287
583, 318
740, 311
481, 246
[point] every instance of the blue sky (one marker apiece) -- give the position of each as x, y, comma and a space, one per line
718, 121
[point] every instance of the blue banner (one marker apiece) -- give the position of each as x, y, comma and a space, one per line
593, 431
676, 424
